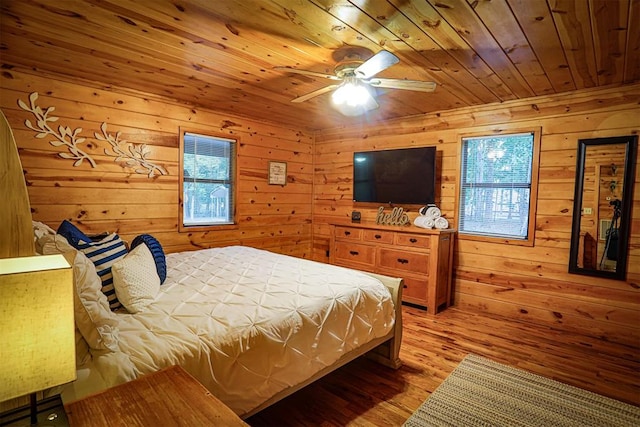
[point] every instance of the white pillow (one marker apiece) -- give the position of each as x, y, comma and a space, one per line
49, 244
41, 229
95, 321
136, 279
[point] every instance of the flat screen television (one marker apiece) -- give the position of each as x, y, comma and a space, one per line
400, 176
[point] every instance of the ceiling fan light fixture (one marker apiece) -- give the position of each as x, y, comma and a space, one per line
353, 98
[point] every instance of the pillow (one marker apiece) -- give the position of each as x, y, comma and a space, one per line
96, 323
136, 279
72, 234
41, 229
157, 252
104, 254
50, 244
83, 351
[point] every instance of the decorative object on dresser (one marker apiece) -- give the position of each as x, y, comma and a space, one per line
37, 339
169, 397
431, 217
423, 258
396, 217
481, 392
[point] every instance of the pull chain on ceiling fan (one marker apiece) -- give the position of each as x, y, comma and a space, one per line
355, 95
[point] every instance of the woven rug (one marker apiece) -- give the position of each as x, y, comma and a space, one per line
480, 392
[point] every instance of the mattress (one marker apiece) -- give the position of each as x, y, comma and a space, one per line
249, 323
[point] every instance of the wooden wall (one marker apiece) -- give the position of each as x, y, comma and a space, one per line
111, 198
519, 282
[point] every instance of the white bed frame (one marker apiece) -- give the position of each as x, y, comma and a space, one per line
17, 233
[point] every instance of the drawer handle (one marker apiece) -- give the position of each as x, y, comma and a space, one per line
412, 240
403, 261
377, 236
347, 233
354, 253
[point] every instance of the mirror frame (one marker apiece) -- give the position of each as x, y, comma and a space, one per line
620, 273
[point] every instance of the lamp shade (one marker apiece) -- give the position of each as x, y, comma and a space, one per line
37, 346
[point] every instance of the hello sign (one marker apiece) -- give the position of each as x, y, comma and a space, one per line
396, 217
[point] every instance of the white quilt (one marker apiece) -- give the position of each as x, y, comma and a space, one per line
248, 323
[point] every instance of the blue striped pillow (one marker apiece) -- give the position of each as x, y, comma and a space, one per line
104, 254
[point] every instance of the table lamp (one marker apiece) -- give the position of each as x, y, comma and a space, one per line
37, 345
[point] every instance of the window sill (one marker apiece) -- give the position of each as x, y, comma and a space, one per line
497, 240
203, 228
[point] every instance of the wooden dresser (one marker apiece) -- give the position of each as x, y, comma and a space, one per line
423, 258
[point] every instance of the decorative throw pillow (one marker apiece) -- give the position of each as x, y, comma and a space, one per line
103, 253
135, 279
97, 324
157, 252
72, 233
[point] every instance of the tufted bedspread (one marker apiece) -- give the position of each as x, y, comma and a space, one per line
248, 323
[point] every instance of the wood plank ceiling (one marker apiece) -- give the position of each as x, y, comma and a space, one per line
221, 54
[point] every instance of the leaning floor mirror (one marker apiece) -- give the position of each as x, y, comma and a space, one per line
602, 205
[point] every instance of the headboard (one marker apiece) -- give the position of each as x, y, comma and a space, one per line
16, 232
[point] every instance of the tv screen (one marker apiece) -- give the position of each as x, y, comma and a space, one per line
398, 176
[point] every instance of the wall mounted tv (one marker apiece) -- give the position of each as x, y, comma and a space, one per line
400, 176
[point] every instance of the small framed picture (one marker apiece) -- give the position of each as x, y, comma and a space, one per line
278, 173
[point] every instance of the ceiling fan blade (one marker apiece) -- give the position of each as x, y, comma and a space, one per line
314, 93
307, 73
378, 62
414, 85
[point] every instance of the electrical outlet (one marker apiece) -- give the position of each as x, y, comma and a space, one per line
587, 211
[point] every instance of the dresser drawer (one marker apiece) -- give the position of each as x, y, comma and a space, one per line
348, 252
415, 289
404, 260
377, 236
348, 233
412, 240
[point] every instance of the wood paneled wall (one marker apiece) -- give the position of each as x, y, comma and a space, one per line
110, 198
519, 282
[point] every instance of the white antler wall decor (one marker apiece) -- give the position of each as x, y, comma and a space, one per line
130, 155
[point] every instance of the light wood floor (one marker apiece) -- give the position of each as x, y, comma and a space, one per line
364, 393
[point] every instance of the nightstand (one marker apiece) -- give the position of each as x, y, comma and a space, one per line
50, 414
169, 397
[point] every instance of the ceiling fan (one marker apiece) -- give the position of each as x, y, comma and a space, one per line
355, 94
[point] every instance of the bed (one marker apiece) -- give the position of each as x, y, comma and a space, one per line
251, 325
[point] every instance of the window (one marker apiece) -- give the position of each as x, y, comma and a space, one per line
498, 186
207, 181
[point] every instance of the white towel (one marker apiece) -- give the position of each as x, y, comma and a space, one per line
433, 212
441, 223
424, 222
